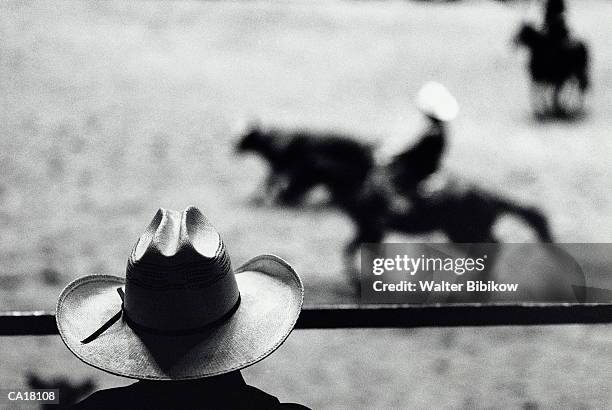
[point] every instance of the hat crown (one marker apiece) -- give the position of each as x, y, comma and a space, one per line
178, 248
179, 274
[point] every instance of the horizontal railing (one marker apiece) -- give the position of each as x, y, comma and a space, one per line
385, 316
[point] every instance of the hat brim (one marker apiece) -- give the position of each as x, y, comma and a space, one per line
271, 300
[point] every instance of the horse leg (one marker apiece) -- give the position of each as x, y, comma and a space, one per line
367, 232
574, 96
581, 99
567, 97
536, 98
300, 182
419, 219
541, 99
272, 187
580, 93
558, 109
488, 251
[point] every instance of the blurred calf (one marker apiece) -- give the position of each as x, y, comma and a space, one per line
300, 160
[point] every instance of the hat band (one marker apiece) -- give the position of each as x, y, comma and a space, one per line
163, 332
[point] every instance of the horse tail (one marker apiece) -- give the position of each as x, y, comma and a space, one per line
532, 216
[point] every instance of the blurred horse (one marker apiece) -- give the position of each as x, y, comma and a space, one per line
553, 65
464, 213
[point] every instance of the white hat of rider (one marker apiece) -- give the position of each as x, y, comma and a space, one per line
434, 100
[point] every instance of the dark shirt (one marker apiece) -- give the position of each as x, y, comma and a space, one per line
414, 165
555, 28
556, 31
228, 391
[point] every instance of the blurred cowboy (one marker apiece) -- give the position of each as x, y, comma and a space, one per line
411, 166
555, 28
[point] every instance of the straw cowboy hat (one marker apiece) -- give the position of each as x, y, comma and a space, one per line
436, 101
180, 312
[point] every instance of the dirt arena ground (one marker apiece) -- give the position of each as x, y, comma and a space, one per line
109, 111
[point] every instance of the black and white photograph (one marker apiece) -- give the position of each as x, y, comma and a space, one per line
328, 204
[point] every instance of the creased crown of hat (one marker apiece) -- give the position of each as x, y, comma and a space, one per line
179, 275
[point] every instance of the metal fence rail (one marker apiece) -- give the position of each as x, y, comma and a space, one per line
384, 316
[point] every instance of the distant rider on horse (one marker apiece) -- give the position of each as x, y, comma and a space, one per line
414, 164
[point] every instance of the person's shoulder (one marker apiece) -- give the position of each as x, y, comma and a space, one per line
293, 406
259, 399
103, 399
137, 396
